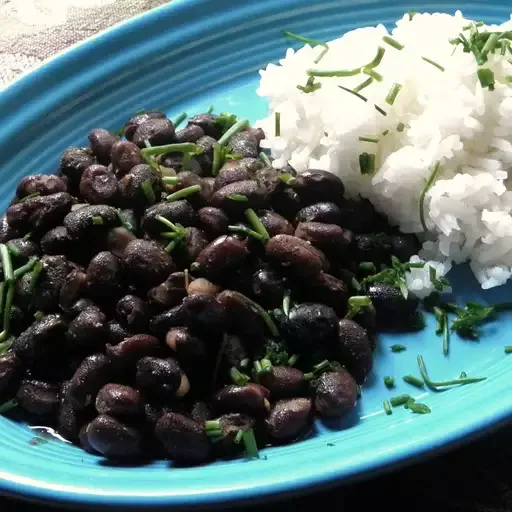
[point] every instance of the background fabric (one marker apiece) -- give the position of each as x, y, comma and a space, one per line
476, 478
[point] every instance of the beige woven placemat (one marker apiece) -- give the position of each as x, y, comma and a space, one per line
33, 30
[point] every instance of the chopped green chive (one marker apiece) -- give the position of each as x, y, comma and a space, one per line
38, 315
246, 231
398, 348
184, 192
265, 159
238, 197
209, 110
356, 303
311, 42
433, 63
369, 139
271, 326
486, 78
393, 93
414, 381
372, 73
355, 93
293, 359
277, 128
239, 436
256, 223
287, 178
171, 246
490, 44
38, 267
377, 59
185, 161
29, 196
441, 384
380, 110
147, 188
411, 14
385, 132
212, 425
400, 127
430, 181
185, 147
180, 119
239, 126
393, 42
387, 407
389, 382
25, 268
418, 408
399, 400
170, 180
251, 448
340, 73
286, 303
177, 228
473, 25
363, 85
367, 163
124, 220
368, 266
97, 220
6, 264
238, 378
310, 87
508, 79
217, 159
7, 406
508, 349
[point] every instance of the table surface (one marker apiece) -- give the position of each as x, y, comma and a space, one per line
475, 478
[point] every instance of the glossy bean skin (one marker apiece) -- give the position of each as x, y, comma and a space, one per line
190, 133
162, 322
73, 163
38, 398
390, 305
213, 221
98, 185
284, 382
158, 131
125, 355
87, 332
354, 351
205, 159
231, 175
72, 288
83, 223
245, 144
124, 156
250, 399
326, 289
336, 394
43, 184
190, 350
208, 124
134, 122
104, 276
275, 224
101, 142
116, 333
119, 401
133, 313
268, 287
25, 249
204, 314
327, 213
168, 294
315, 186
330, 238
228, 197
191, 246
11, 373
132, 193
157, 377
180, 212
288, 418
57, 241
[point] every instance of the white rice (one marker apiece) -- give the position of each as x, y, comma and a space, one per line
449, 119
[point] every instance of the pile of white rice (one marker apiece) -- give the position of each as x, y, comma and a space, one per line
449, 119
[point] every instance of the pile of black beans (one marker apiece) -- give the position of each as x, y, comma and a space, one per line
191, 301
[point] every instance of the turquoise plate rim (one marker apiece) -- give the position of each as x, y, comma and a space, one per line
325, 468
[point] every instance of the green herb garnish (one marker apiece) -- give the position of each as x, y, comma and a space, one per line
400, 127
373, 74
387, 407
398, 348
277, 123
399, 400
393, 42
311, 42
7, 406
184, 192
433, 63
265, 159
251, 448
368, 266
243, 230
363, 85
147, 188
256, 223
367, 163
377, 59
6, 263
486, 78
179, 119
393, 93
357, 303
446, 383
236, 128
508, 349
237, 197
124, 220
287, 178
389, 382
375, 140
239, 378
418, 408
430, 181
442, 328
19, 272
36, 272
414, 381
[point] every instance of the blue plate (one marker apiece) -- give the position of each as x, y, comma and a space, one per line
186, 56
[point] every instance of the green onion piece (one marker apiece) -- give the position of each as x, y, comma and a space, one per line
428, 184
97, 220
414, 381
185, 161
238, 378
6, 263
393, 42
246, 231
169, 224
389, 382
256, 223
236, 128
305, 40
13, 249
239, 436
471, 25
212, 425
356, 303
490, 44
185, 147
387, 407
293, 359
27, 236
371, 72
411, 14
218, 157
377, 59
171, 246
399, 400
7, 406
287, 178
360, 96
6, 345
442, 384
508, 78
215, 435
265, 159
38, 267
375, 140
418, 408
237, 197
180, 119
11, 289
266, 366
184, 192
440, 319
147, 188
368, 266
363, 85
277, 129
209, 110
385, 132
124, 220
286, 303
486, 78
308, 88
435, 64
170, 180
271, 326
38, 315
400, 127
29, 196
340, 73
356, 284
367, 163
380, 110
398, 348
25, 268
393, 93
508, 349
251, 448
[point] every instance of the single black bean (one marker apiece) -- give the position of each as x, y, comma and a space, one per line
169, 293
204, 314
112, 438
375, 247
157, 131
354, 350
329, 238
390, 304
116, 332
77, 307
245, 144
42, 184
52, 278
38, 398
104, 276
268, 287
175, 163
191, 246
288, 418
231, 175
57, 241
404, 246
213, 221
124, 355
159, 378
358, 215
180, 212
101, 142
72, 289
162, 322
117, 240
134, 313
184, 439
98, 185
200, 411
84, 222
328, 213
190, 350
335, 394
70, 419
133, 123
249, 399
87, 332
7, 232
134, 187
73, 163
25, 249
11, 373
220, 256
119, 401
190, 133
328, 290
251, 165
205, 158
275, 224
191, 179
208, 123
236, 197
124, 156
284, 382
315, 186
19, 320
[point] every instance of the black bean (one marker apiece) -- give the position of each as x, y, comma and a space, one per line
134, 313
7, 232
220, 256
162, 322
146, 262
284, 382
358, 215
250, 399
329, 238
180, 212
228, 197
230, 426
191, 246
251, 165
288, 418
190, 350
39, 214
73, 163
295, 254
70, 419
204, 314
390, 304
328, 290
135, 187
112, 438
124, 355
245, 144
315, 186
231, 175
159, 378
25, 249
184, 439
116, 332
372, 247
52, 278
134, 122
205, 158
101, 142
93, 373
77, 307
87, 332
19, 320
275, 224
335, 394
157, 131
124, 156
190, 133
84, 222
119, 401
354, 350
268, 287
38, 398
72, 289
104, 276
404, 246
57, 241
117, 240
328, 213
169, 293
208, 123
213, 221
98, 185
42, 184
200, 411
11, 373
